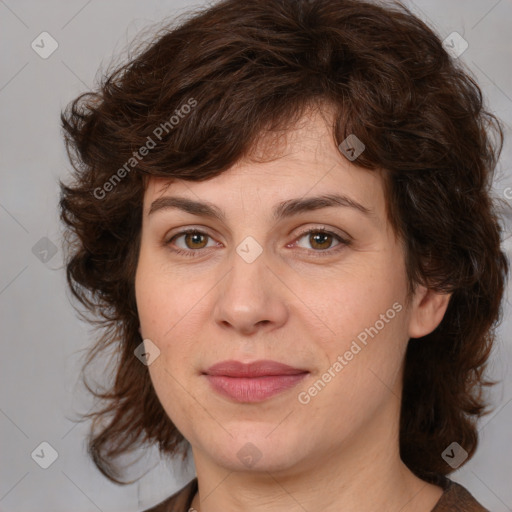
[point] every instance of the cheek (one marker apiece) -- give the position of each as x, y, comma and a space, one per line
361, 376
170, 311
161, 298
151, 307
170, 388
352, 299
163, 317
366, 315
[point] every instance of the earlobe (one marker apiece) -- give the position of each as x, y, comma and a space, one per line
427, 311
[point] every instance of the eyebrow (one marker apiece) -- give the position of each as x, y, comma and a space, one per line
282, 210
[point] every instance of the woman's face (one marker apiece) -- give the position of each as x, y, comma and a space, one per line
260, 281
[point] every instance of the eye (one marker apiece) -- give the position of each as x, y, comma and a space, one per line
191, 241
321, 240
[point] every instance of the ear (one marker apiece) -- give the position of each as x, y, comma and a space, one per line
427, 310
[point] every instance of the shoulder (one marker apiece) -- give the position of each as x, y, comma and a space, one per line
179, 502
457, 498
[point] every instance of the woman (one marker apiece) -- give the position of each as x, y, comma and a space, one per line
280, 215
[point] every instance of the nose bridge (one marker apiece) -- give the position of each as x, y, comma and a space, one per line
248, 298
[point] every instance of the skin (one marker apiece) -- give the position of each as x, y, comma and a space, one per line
302, 301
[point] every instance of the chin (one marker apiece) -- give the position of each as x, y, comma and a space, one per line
256, 451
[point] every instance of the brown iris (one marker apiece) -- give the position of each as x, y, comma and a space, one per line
195, 238
320, 240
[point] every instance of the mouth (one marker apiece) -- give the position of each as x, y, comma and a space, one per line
253, 382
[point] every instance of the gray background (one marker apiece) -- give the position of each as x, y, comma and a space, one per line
43, 339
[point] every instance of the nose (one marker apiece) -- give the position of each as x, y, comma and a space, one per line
250, 298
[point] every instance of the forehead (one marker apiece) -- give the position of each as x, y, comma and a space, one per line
301, 161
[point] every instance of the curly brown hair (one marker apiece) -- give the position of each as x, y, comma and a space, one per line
247, 69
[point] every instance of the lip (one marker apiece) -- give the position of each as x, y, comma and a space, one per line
253, 382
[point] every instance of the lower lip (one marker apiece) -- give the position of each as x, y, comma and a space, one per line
256, 389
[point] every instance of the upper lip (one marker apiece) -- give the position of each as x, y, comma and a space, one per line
261, 368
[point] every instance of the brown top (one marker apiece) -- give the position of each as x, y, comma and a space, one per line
455, 498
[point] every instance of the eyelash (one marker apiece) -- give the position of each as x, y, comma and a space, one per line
319, 253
